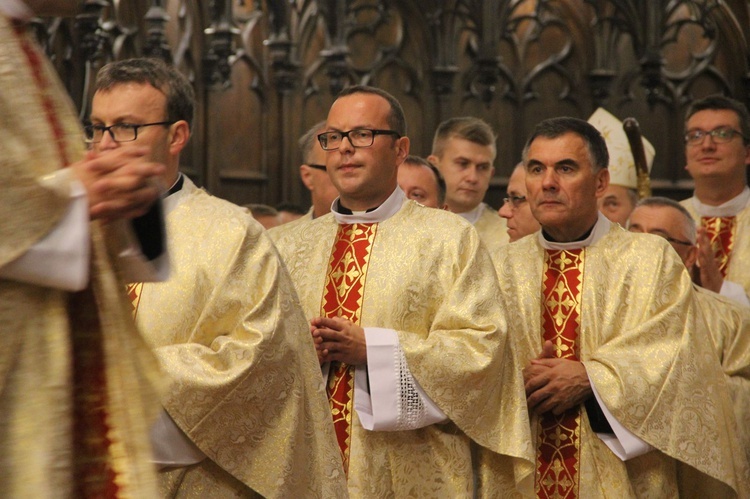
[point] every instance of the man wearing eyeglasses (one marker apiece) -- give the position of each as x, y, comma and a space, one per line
727, 322
464, 150
717, 148
605, 326
76, 384
516, 209
315, 177
243, 381
400, 298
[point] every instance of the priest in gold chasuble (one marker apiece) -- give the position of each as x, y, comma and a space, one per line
402, 303
717, 151
77, 383
626, 395
245, 412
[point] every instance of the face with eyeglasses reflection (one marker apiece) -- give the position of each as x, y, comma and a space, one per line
666, 222
136, 103
515, 208
364, 176
709, 158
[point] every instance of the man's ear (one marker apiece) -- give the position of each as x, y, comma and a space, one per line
306, 175
402, 149
180, 137
602, 182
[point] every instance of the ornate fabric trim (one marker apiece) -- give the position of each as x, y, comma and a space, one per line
342, 297
558, 439
721, 233
134, 291
43, 85
411, 408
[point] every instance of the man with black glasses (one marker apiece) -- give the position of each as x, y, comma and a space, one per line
727, 322
244, 412
418, 366
717, 149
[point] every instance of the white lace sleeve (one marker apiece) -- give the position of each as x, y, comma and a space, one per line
386, 395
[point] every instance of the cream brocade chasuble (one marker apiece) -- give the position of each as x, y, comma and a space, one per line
492, 229
245, 381
729, 326
429, 279
49, 335
734, 232
648, 358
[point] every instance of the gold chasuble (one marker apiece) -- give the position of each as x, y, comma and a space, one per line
342, 297
430, 282
728, 323
630, 315
78, 384
730, 240
492, 229
230, 335
558, 441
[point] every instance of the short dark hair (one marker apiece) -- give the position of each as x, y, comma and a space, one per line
155, 72
556, 127
261, 210
463, 127
396, 118
718, 102
308, 140
419, 161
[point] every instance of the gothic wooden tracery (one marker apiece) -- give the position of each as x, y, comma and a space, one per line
264, 71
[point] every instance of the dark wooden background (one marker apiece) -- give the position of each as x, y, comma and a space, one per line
264, 71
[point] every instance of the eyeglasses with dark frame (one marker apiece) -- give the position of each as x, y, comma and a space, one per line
358, 137
720, 135
317, 167
515, 201
120, 132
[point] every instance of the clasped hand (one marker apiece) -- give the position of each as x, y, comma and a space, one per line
338, 339
554, 384
120, 183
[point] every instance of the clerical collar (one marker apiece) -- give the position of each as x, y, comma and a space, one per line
346, 211
176, 186
383, 212
473, 215
729, 209
599, 230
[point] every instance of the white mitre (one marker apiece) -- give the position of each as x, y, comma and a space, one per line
621, 164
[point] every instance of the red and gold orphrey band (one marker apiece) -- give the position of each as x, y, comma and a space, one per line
342, 297
94, 474
721, 234
133, 291
558, 439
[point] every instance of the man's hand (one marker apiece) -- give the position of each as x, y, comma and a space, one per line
338, 339
554, 384
711, 278
120, 183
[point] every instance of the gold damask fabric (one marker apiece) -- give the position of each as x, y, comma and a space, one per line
738, 269
229, 333
492, 229
36, 414
729, 326
276, 233
649, 359
431, 281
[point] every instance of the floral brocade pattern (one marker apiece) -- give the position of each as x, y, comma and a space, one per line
342, 297
558, 440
